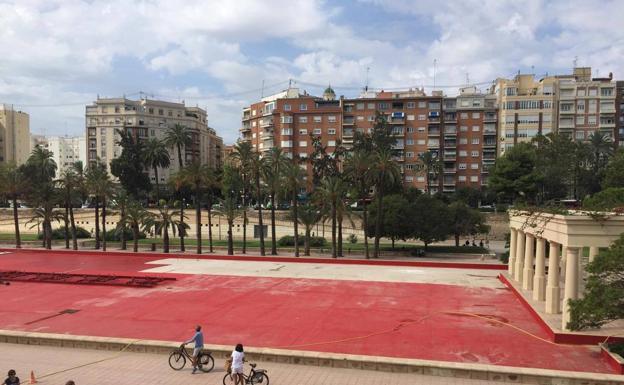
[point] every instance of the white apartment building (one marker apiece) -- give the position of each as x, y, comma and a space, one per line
67, 150
145, 119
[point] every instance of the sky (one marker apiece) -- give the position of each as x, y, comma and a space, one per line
58, 56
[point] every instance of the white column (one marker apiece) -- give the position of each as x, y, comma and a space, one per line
593, 253
571, 290
529, 255
553, 291
512, 252
562, 262
520, 239
539, 280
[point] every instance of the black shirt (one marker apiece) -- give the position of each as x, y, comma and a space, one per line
14, 381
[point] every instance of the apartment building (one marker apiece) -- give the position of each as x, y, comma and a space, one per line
619, 106
146, 118
527, 107
586, 104
418, 123
67, 150
14, 135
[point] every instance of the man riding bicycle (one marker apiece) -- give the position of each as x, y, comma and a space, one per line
198, 339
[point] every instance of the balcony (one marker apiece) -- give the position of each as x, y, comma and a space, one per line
450, 117
607, 123
566, 123
489, 117
607, 109
348, 121
489, 143
566, 108
433, 131
433, 144
450, 170
394, 120
450, 155
450, 131
266, 123
489, 157
449, 181
450, 144
347, 132
397, 131
246, 127
489, 129
399, 158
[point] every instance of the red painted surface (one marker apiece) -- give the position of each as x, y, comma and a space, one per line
451, 265
560, 338
617, 365
356, 317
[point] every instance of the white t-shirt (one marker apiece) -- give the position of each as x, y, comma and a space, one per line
237, 359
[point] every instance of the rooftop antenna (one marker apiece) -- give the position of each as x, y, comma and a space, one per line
262, 90
366, 86
467, 78
435, 61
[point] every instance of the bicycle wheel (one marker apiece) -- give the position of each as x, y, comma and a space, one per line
206, 362
228, 379
177, 360
259, 378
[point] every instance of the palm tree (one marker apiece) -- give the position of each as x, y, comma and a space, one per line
293, 181
257, 165
99, 185
242, 154
229, 209
601, 147
308, 215
178, 136
384, 171
329, 193
122, 200
12, 186
156, 156
179, 184
275, 163
431, 165
136, 218
41, 160
357, 170
69, 185
163, 221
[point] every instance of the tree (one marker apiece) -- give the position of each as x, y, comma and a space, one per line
328, 194
243, 154
97, 182
513, 176
293, 181
614, 173
129, 167
178, 137
605, 200
136, 218
397, 217
122, 200
12, 187
604, 292
468, 195
465, 221
272, 173
231, 186
554, 166
431, 220
384, 172
69, 185
156, 156
257, 164
308, 216
432, 166
164, 220
358, 170
179, 184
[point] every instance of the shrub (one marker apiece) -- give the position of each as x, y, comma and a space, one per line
59, 233
352, 238
289, 240
605, 200
115, 235
617, 349
504, 257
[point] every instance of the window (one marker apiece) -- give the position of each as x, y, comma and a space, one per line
580, 135
593, 92
420, 142
510, 91
303, 132
331, 143
461, 178
331, 131
547, 104
463, 153
410, 130
409, 142
409, 154
528, 104
317, 131
606, 91
161, 111
303, 107
463, 115
474, 154
286, 107
382, 106
303, 143
593, 106
370, 106
528, 119
591, 119
170, 113
360, 118
303, 119
331, 118
475, 141
318, 119
359, 106
580, 105
422, 117
474, 178
461, 166
287, 131
580, 120
411, 104
253, 124
151, 110
476, 115
287, 119
475, 128
474, 166
463, 128
409, 178
580, 91
371, 118
463, 140
422, 104
411, 117
409, 166
253, 113
420, 178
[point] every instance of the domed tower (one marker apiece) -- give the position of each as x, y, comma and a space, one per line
329, 93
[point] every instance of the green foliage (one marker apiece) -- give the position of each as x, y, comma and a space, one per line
431, 220
468, 195
289, 240
115, 235
59, 233
352, 238
504, 257
604, 293
605, 200
617, 349
466, 221
129, 167
614, 174
513, 175
396, 219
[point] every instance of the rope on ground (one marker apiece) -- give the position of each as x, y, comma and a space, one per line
116, 355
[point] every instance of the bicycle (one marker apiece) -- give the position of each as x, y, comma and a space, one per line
255, 376
177, 359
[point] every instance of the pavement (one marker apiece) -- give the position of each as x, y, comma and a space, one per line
453, 315
144, 368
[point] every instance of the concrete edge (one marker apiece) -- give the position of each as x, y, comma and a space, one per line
336, 360
615, 360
